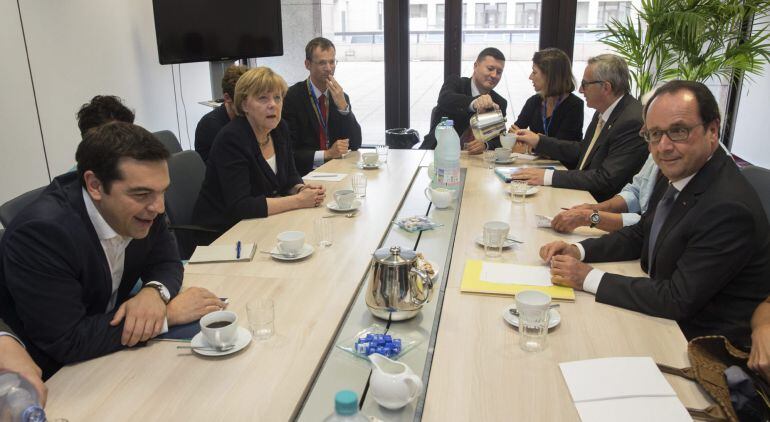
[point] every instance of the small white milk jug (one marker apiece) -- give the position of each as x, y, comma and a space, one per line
393, 384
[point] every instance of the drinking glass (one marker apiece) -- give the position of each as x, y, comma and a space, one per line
359, 184
382, 151
261, 315
533, 307
519, 191
489, 159
324, 232
495, 233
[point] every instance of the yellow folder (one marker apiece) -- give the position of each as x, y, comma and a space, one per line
472, 284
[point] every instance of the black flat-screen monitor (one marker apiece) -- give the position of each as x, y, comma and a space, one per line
212, 30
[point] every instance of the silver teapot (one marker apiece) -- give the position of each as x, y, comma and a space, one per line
397, 289
488, 125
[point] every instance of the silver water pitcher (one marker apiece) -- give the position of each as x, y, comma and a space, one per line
397, 289
488, 125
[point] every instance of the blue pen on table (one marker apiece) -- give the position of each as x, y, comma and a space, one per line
238, 250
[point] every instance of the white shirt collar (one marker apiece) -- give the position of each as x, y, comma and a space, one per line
316, 91
474, 90
607, 113
103, 230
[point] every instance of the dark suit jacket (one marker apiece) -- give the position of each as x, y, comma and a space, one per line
712, 258
453, 101
616, 157
208, 127
299, 114
55, 282
566, 121
238, 179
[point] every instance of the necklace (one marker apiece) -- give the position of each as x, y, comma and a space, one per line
267, 141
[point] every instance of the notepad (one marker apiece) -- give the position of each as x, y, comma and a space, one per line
515, 281
222, 253
328, 177
631, 388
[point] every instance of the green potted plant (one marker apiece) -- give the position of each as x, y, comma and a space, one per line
691, 39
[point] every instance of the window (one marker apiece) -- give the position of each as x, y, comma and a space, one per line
465, 14
490, 15
440, 16
418, 10
380, 15
502, 15
527, 15
609, 10
581, 19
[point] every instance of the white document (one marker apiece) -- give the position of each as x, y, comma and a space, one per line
528, 157
223, 253
629, 388
530, 275
543, 221
328, 177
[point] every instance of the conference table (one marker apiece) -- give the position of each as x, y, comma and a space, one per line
468, 356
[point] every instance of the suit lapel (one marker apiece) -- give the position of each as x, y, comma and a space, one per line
605, 130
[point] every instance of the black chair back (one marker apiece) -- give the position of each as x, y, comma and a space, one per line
168, 139
186, 170
10, 209
760, 179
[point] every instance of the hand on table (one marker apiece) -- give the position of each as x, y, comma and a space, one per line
310, 197
144, 315
319, 188
567, 221
191, 304
337, 93
14, 358
533, 176
475, 147
759, 358
568, 271
339, 148
549, 250
484, 103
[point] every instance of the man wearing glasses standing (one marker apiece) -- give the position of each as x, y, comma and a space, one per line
704, 240
318, 111
612, 151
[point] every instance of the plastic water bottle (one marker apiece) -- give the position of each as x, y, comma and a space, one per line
446, 158
346, 408
18, 399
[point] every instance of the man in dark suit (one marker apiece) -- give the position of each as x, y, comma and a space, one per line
704, 240
460, 98
213, 121
69, 260
612, 151
318, 111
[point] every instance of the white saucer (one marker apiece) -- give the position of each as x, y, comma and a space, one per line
363, 166
334, 207
507, 244
243, 340
508, 161
531, 191
554, 317
305, 252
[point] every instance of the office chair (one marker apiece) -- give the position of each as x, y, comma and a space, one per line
10, 209
186, 170
168, 139
2, 232
759, 178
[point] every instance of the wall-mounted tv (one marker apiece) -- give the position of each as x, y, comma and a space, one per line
212, 30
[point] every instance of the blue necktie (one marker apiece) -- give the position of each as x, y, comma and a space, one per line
661, 213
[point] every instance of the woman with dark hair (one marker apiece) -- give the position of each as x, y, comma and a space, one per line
250, 172
554, 111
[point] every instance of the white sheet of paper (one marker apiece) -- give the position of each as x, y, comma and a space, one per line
531, 275
327, 177
617, 377
543, 221
520, 156
634, 409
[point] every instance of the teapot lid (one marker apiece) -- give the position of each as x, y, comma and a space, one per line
394, 255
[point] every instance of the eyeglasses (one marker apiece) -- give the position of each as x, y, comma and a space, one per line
584, 83
677, 134
324, 63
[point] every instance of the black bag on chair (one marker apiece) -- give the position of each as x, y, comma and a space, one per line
401, 138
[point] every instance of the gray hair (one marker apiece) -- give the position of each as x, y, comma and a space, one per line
612, 69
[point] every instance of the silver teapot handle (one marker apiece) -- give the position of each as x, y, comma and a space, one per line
427, 283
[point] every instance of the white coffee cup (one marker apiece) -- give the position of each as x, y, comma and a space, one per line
291, 242
344, 198
441, 197
220, 328
370, 158
502, 154
508, 140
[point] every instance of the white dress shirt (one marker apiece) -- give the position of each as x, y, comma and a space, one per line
318, 157
548, 176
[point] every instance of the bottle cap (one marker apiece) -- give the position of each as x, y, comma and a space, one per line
346, 403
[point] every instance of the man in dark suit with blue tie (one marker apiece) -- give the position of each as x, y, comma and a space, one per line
69, 261
704, 240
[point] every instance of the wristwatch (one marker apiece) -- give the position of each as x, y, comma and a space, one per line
162, 290
594, 218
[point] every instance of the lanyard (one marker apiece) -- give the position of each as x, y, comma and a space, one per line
547, 122
317, 108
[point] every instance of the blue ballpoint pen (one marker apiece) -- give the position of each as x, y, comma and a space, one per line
238, 250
